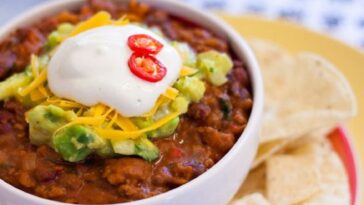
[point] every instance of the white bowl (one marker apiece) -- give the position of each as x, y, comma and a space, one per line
218, 185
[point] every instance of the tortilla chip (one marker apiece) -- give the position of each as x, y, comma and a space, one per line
268, 149
254, 182
323, 132
319, 156
309, 173
295, 86
333, 177
252, 199
291, 179
305, 98
311, 146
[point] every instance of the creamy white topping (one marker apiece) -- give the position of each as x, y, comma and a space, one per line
92, 68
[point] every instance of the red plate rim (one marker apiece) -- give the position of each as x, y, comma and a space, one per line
342, 144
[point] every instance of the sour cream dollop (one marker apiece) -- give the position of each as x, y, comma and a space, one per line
92, 68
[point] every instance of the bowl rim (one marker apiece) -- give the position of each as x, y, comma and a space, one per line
252, 67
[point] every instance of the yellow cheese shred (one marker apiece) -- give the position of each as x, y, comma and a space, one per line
171, 93
102, 18
67, 104
122, 135
98, 110
112, 120
161, 100
95, 121
121, 22
79, 112
39, 94
34, 64
45, 92
42, 78
126, 124
186, 71
108, 112
36, 95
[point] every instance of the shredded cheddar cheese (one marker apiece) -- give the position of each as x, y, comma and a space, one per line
125, 124
122, 135
96, 121
171, 93
36, 95
108, 112
44, 91
34, 64
102, 18
79, 112
38, 81
66, 104
121, 22
98, 110
186, 71
112, 120
161, 100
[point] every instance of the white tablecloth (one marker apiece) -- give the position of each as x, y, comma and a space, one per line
343, 19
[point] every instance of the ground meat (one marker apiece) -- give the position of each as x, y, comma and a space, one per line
120, 171
205, 134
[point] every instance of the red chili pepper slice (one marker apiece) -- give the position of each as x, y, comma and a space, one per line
145, 44
147, 67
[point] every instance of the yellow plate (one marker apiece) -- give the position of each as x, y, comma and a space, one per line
296, 39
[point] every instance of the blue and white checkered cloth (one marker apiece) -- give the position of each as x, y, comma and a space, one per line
343, 19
